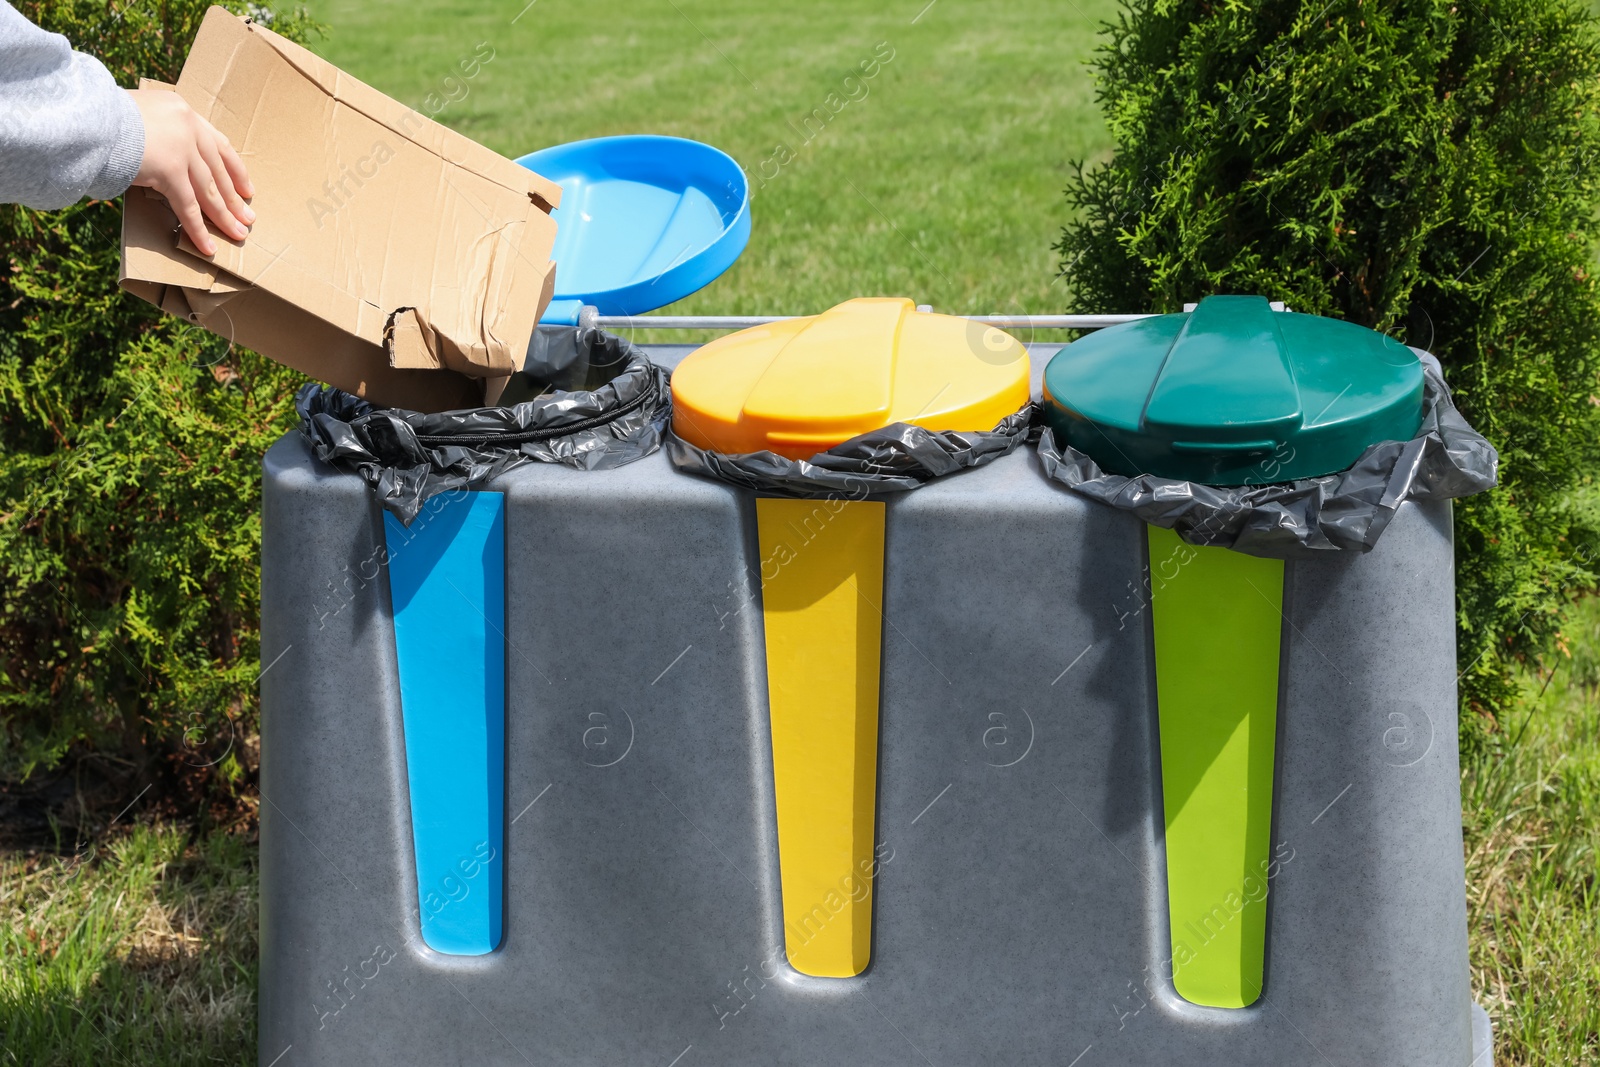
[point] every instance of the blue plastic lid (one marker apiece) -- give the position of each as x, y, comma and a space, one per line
644, 221
1233, 393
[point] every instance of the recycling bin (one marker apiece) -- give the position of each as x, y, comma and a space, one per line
1270, 439
1232, 393
841, 731
782, 398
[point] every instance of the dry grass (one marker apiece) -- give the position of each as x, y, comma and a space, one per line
1532, 824
139, 951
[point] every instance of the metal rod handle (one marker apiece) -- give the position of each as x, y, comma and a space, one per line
740, 322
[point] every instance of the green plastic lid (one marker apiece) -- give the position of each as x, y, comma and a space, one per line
1232, 393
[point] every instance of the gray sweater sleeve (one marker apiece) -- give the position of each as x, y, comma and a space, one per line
66, 129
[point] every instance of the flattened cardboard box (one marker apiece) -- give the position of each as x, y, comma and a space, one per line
391, 256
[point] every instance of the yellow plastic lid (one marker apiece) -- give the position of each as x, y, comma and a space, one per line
801, 386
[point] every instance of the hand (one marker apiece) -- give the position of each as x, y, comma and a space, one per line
187, 161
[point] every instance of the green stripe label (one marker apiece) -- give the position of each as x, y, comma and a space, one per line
1217, 617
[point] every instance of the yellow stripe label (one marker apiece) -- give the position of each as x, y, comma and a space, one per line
822, 584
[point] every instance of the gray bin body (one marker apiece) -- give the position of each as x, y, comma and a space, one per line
1020, 908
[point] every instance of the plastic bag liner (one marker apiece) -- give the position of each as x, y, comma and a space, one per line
895, 459
584, 399
1309, 518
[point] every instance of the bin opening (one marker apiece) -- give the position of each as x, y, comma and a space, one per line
564, 359
592, 401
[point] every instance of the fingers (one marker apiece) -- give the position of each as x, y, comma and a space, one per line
187, 208
208, 191
241, 177
239, 213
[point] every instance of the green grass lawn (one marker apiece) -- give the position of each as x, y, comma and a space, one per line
942, 183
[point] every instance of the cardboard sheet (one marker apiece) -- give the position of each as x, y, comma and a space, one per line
391, 256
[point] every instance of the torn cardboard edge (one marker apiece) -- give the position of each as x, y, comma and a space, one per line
191, 289
419, 287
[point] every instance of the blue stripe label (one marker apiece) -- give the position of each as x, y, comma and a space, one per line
447, 580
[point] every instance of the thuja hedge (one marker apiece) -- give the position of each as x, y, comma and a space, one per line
1427, 168
130, 449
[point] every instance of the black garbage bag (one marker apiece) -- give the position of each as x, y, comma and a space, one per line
1305, 519
584, 399
894, 459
